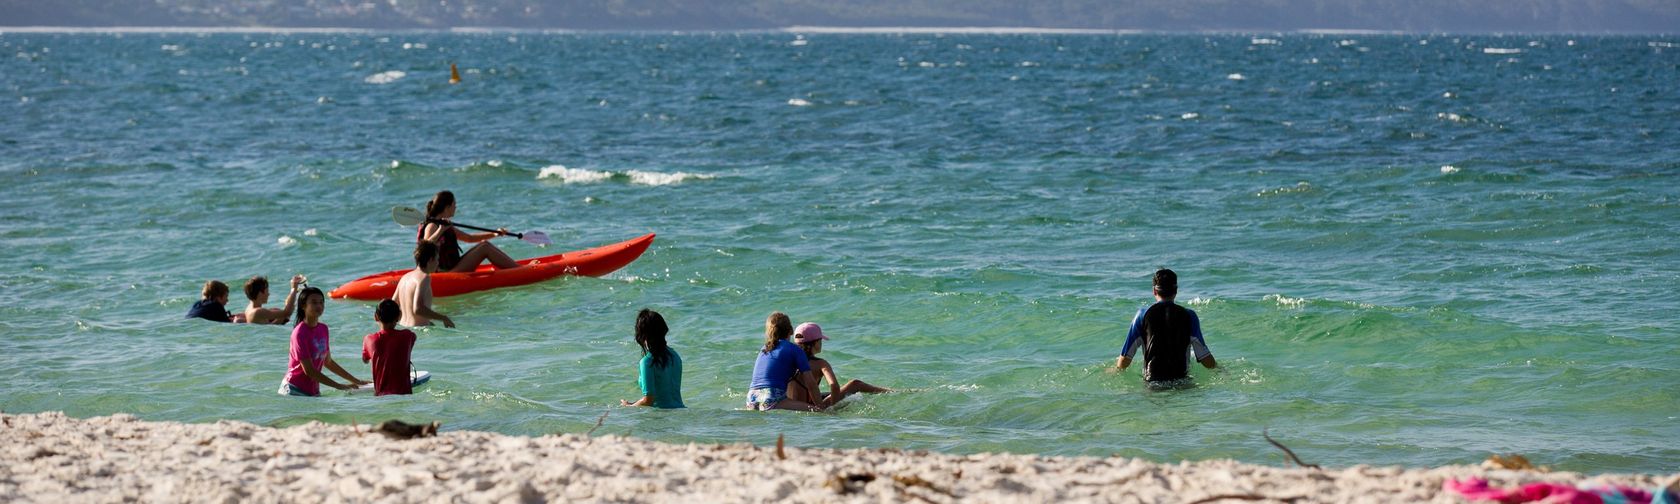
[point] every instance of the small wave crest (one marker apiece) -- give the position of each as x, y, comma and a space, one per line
386, 77
1286, 301
582, 176
1500, 50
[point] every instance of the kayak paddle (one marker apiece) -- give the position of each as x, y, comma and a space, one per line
410, 216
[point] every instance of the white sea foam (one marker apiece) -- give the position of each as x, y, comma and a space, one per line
1189, 116
659, 179
1669, 45
573, 175
311, 232
799, 41
1235, 77
1501, 50
649, 178
386, 77
1285, 301
287, 241
1265, 41
1449, 169
1450, 117
797, 102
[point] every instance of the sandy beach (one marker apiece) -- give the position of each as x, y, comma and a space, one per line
49, 457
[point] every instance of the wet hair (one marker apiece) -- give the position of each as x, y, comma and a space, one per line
650, 334
1166, 283
303, 300
439, 202
776, 328
256, 285
424, 253
388, 312
214, 289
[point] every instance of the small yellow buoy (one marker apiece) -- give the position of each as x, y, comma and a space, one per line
454, 75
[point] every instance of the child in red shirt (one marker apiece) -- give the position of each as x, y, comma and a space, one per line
388, 350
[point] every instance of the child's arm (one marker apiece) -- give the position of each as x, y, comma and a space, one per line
333, 365
291, 301
316, 374
834, 393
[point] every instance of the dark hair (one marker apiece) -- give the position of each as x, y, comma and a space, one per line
214, 289
256, 285
424, 252
388, 312
439, 202
303, 300
810, 348
776, 328
1166, 283
650, 334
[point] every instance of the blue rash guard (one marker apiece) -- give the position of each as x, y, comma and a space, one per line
1166, 332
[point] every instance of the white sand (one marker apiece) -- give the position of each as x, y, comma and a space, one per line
49, 457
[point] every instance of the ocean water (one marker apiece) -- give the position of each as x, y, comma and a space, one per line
1404, 249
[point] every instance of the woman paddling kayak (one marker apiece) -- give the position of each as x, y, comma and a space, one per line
438, 230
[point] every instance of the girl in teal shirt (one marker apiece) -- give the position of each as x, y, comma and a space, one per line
661, 368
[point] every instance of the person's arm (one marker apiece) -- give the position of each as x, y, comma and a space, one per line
316, 374
809, 380
642, 383
1130, 348
291, 303
435, 230
834, 394
1198, 346
333, 365
475, 238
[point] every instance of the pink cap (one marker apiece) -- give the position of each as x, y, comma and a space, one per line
807, 332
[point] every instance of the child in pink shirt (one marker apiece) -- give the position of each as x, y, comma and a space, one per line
310, 351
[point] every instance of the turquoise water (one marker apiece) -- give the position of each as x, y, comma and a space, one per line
1405, 249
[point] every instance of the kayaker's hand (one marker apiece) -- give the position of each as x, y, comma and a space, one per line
503, 232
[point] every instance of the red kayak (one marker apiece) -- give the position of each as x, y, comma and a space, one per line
593, 262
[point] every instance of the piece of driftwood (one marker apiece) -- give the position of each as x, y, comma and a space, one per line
1286, 450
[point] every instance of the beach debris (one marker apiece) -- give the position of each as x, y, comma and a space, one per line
1246, 497
454, 75
917, 481
1512, 462
598, 423
1291, 453
780, 455
398, 429
849, 484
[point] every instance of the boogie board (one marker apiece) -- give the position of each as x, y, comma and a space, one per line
415, 379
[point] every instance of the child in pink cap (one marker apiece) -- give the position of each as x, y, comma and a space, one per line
809, 337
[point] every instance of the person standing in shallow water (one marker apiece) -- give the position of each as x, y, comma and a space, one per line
1168, 334
661, 368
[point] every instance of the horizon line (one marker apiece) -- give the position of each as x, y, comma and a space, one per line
793, 29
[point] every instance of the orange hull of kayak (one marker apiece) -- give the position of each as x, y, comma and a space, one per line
592, 262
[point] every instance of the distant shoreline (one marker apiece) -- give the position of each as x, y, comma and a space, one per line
797, 29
